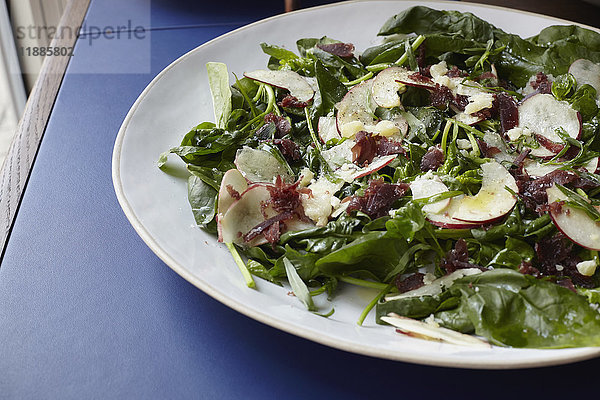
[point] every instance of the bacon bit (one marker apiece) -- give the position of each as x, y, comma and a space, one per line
418, 77
281, 123
441, 96
273, 232
558, 250
344, 50
454, 72
386, 147
549, 144
486, 75
460, 102
509, 113
521, 158
571, 153
541, 83
284, 197
263, 226
567, 283
282, 127
232, 192
486, 150
289, 149
555, 207
290, 101
432, 160
306, 191
365, 148
420, 57
527, 269
457, 258
483, 114
378, 198
409, 283
533, 192
368, 146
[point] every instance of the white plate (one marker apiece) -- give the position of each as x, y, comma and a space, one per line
156, 202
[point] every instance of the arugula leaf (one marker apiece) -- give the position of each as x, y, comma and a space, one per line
298, 286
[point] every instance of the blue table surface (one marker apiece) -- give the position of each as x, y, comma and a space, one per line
88, 311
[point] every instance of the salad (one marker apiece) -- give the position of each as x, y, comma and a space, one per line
454, 168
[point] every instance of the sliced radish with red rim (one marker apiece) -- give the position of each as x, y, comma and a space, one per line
544, 115
289, 80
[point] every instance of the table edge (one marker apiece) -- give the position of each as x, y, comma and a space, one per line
22, 152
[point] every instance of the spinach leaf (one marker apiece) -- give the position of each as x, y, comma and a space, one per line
584, 101
218, 80
449, 33
374, 254
331, 89
304, 262
201, 145
257, 269
203, 200
306, 45
352, 66
412, 307
424, 20
387, 52
210, 176
517, 310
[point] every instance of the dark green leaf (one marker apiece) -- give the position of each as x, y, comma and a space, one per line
203, 199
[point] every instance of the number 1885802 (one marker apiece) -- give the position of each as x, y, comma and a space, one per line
46, 51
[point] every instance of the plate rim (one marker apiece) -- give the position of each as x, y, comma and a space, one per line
300, 331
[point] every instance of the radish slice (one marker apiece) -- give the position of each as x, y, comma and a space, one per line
493, 201
423, 330
468, 119
376, 165
535, 170
233, 181
357, 108
446, 220
290, 80
339, 155
349, 172
573, 222
386, 86
327, 128
260, 165
244, 214
543, 114
586, 72
427, 186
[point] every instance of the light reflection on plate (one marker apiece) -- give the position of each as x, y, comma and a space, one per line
156, 202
